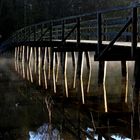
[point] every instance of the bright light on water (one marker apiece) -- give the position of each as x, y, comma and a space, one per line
42, 133
119, 138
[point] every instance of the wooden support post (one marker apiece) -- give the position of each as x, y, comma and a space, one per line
80, 53
29, 66
99, 33
21, 53
79, 64
16, 58
49, 63
35, 60
65, 75
30, 56
134, 32
137, 75
42, 56
62, 57
75, 71
45, 58
23, 61
123, 67
39, 66
51, 48
27, 53
105, 30
87, 59
37, 56
81, 79
73, 58
63, 54
45, 76
57, 68
101, 72
54, 76
51, 53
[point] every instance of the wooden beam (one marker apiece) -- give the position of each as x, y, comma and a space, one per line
123, 68
101, 72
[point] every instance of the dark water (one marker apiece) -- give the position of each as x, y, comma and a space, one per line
43, 103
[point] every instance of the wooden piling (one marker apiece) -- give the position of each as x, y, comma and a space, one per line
39, 66
45, 58
81, 79
79, 64
87, 59
101, 72
65, 75
62, 59
21, 53
75, 71
16, 58
137, 75
73, 58
53, 68
23, 61
27, 53
57, 68
49, 63
51, 54
123, 68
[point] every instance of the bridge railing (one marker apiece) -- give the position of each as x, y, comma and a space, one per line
117, 24
129, 29
88, 28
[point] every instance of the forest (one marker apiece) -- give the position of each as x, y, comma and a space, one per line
15, 14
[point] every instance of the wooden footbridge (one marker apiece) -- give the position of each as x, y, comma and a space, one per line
112, 34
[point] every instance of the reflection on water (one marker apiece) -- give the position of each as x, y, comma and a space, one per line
43, 134
77, 107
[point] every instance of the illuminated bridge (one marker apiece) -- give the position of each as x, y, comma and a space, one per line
109, 35
113, 35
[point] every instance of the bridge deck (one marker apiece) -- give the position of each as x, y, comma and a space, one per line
119, 51
74, 42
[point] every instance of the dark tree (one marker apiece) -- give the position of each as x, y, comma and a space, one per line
15, 14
